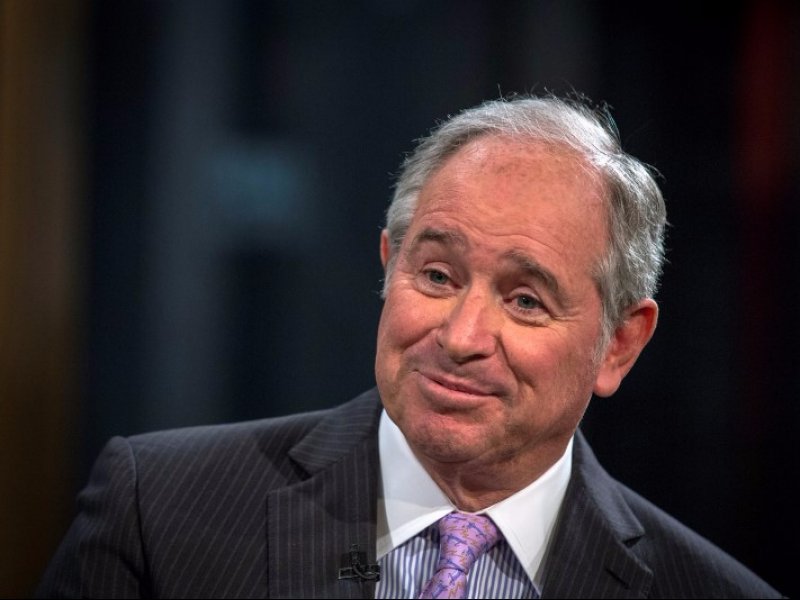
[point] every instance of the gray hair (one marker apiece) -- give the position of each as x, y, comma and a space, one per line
630, 269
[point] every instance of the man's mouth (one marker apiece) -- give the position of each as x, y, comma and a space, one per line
455, 384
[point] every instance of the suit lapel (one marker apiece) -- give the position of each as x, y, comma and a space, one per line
313, 523
590, 555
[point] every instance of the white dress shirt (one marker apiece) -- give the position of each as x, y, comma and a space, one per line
411, 501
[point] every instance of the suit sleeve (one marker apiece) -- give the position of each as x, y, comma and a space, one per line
101, 556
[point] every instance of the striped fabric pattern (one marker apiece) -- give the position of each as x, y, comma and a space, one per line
269, 509
463, 539
249, 510
496, 574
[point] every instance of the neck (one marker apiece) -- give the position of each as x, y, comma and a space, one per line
472, 486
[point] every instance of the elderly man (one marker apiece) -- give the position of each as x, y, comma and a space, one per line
522, 251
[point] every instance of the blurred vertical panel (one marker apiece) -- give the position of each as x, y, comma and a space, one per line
767, 165
41, 162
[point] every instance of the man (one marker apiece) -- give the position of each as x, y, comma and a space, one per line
522, 251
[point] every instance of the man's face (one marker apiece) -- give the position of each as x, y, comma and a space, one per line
491, 319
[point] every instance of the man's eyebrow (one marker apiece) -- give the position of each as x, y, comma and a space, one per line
523, 261
535, 269
445, 237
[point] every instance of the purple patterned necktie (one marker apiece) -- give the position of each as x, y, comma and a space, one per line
463, 538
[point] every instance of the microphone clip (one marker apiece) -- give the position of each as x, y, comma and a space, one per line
358, 569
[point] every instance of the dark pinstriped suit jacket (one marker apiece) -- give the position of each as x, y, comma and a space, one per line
269, 508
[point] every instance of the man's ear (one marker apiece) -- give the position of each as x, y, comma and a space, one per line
627, 341
385, 248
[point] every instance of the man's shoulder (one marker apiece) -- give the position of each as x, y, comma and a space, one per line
677, 561
668, 541
230, 447
187, 511
277, 432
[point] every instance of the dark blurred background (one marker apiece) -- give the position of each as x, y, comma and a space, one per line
191, 194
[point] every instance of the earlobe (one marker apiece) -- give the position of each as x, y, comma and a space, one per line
385, 248
627, 342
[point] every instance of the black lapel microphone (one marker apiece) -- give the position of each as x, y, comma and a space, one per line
358, 568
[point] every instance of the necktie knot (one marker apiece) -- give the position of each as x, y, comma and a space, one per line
463, 538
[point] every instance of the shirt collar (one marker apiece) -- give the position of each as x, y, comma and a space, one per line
411, 501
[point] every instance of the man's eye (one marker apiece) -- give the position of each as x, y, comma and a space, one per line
437, 277
526, 302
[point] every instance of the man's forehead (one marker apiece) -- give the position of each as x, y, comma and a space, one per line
445, 236
510, 152
515, 186
502, 159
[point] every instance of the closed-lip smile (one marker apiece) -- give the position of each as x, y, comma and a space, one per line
457, 385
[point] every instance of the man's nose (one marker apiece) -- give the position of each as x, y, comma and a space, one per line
471, 328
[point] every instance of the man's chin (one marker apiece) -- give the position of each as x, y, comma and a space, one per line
440, 440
